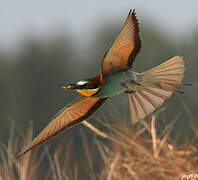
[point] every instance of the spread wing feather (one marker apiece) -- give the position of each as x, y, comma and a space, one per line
144, 102
125, 48
79, 110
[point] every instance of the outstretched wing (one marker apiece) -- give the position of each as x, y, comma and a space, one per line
125, 48
79, 110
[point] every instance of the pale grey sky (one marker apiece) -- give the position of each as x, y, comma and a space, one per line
21, 17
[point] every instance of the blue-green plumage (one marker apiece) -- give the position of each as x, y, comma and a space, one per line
113, 83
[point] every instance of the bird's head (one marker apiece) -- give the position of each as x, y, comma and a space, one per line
84, 87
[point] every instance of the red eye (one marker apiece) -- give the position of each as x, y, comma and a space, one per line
88, 85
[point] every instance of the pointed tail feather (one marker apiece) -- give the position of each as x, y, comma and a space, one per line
170, 72
160, 87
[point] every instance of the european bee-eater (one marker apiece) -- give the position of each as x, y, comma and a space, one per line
146, 91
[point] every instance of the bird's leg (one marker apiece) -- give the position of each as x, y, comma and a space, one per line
127, 84
129, 91
131, 86
135, 83
124, 84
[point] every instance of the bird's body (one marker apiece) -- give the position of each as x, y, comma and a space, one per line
146, 91
113, 84
122, 82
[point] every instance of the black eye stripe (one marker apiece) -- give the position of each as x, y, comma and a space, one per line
88, 86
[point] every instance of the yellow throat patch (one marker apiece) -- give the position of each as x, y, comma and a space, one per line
87, 92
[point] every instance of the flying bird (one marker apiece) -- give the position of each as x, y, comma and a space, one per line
146, 90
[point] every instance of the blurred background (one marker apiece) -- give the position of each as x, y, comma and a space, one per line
45, 44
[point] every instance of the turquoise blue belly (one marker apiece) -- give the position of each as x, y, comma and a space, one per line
112, 85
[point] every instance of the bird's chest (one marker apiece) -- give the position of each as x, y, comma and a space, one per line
112, 85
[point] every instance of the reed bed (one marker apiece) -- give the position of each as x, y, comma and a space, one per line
138, 154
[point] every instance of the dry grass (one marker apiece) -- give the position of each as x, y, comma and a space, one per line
136, 155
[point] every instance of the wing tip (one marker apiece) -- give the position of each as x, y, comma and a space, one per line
23, 152
18, 156
132, 12
179, 56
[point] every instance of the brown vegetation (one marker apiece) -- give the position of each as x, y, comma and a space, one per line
135, 155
